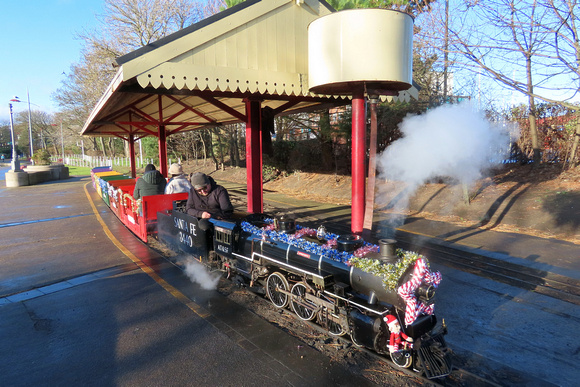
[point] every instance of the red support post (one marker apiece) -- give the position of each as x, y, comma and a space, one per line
162, 150
132, 155
162, 139
371, 181
358, 161
254, 156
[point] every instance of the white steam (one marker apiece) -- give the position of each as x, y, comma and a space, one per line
197, 273
449, 141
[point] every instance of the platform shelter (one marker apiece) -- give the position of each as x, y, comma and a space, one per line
229, 68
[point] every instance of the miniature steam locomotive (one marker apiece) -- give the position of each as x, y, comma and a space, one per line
380, 295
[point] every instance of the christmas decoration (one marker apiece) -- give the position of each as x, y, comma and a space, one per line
389, 272
296, 239
421, 274
397, 338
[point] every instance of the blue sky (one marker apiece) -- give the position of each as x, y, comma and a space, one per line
37, 45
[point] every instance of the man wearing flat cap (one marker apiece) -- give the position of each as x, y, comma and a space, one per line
207, 199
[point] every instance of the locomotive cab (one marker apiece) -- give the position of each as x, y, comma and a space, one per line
224, 237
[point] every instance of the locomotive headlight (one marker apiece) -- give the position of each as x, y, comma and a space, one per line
425, 292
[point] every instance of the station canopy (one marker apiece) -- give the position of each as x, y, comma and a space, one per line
203, 75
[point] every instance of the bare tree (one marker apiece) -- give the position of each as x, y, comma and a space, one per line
125, 26
566, 44
508, 41
136, 23
562, 27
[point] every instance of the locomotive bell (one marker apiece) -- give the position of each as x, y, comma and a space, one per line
285, 223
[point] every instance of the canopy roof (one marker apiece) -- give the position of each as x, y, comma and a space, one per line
202, 75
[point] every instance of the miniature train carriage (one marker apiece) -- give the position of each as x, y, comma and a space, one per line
381, 296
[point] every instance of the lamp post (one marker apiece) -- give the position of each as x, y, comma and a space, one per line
62, 142
15, 163
16, 99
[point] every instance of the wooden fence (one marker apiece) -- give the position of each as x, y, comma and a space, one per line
99, 161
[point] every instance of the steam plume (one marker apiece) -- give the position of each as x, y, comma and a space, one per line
197, 273
451, 140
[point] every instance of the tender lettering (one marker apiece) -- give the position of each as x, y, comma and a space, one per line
182, 225
186, 239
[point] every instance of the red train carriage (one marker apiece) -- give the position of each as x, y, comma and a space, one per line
139, 216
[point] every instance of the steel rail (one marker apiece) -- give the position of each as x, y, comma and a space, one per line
539, 281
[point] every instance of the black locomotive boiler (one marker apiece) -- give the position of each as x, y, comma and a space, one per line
381, 296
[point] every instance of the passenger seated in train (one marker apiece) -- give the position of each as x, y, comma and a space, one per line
207, 199
152, 183
178, 182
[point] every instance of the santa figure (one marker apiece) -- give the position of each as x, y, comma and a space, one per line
398, 339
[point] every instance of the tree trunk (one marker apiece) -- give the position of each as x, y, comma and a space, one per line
326, 141
233, 161
204, 148
220, 145
127, 148
103, 146
532, 116
111, 147
267, 130
94, 144
573, 162
212, 150
281, 126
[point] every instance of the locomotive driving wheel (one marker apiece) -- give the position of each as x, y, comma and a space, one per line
402, 359
335, 328
304, 309
276, 282
354, 340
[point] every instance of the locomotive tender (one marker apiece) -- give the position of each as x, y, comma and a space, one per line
381, 296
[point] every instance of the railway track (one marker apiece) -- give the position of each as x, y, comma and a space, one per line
539, 281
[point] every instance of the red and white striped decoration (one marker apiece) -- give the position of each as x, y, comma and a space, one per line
407, 291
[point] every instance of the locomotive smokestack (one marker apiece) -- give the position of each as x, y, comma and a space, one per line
387, 249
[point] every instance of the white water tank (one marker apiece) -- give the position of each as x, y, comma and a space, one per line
360, 46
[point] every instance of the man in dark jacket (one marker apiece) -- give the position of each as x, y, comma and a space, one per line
152, 183
207, 199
